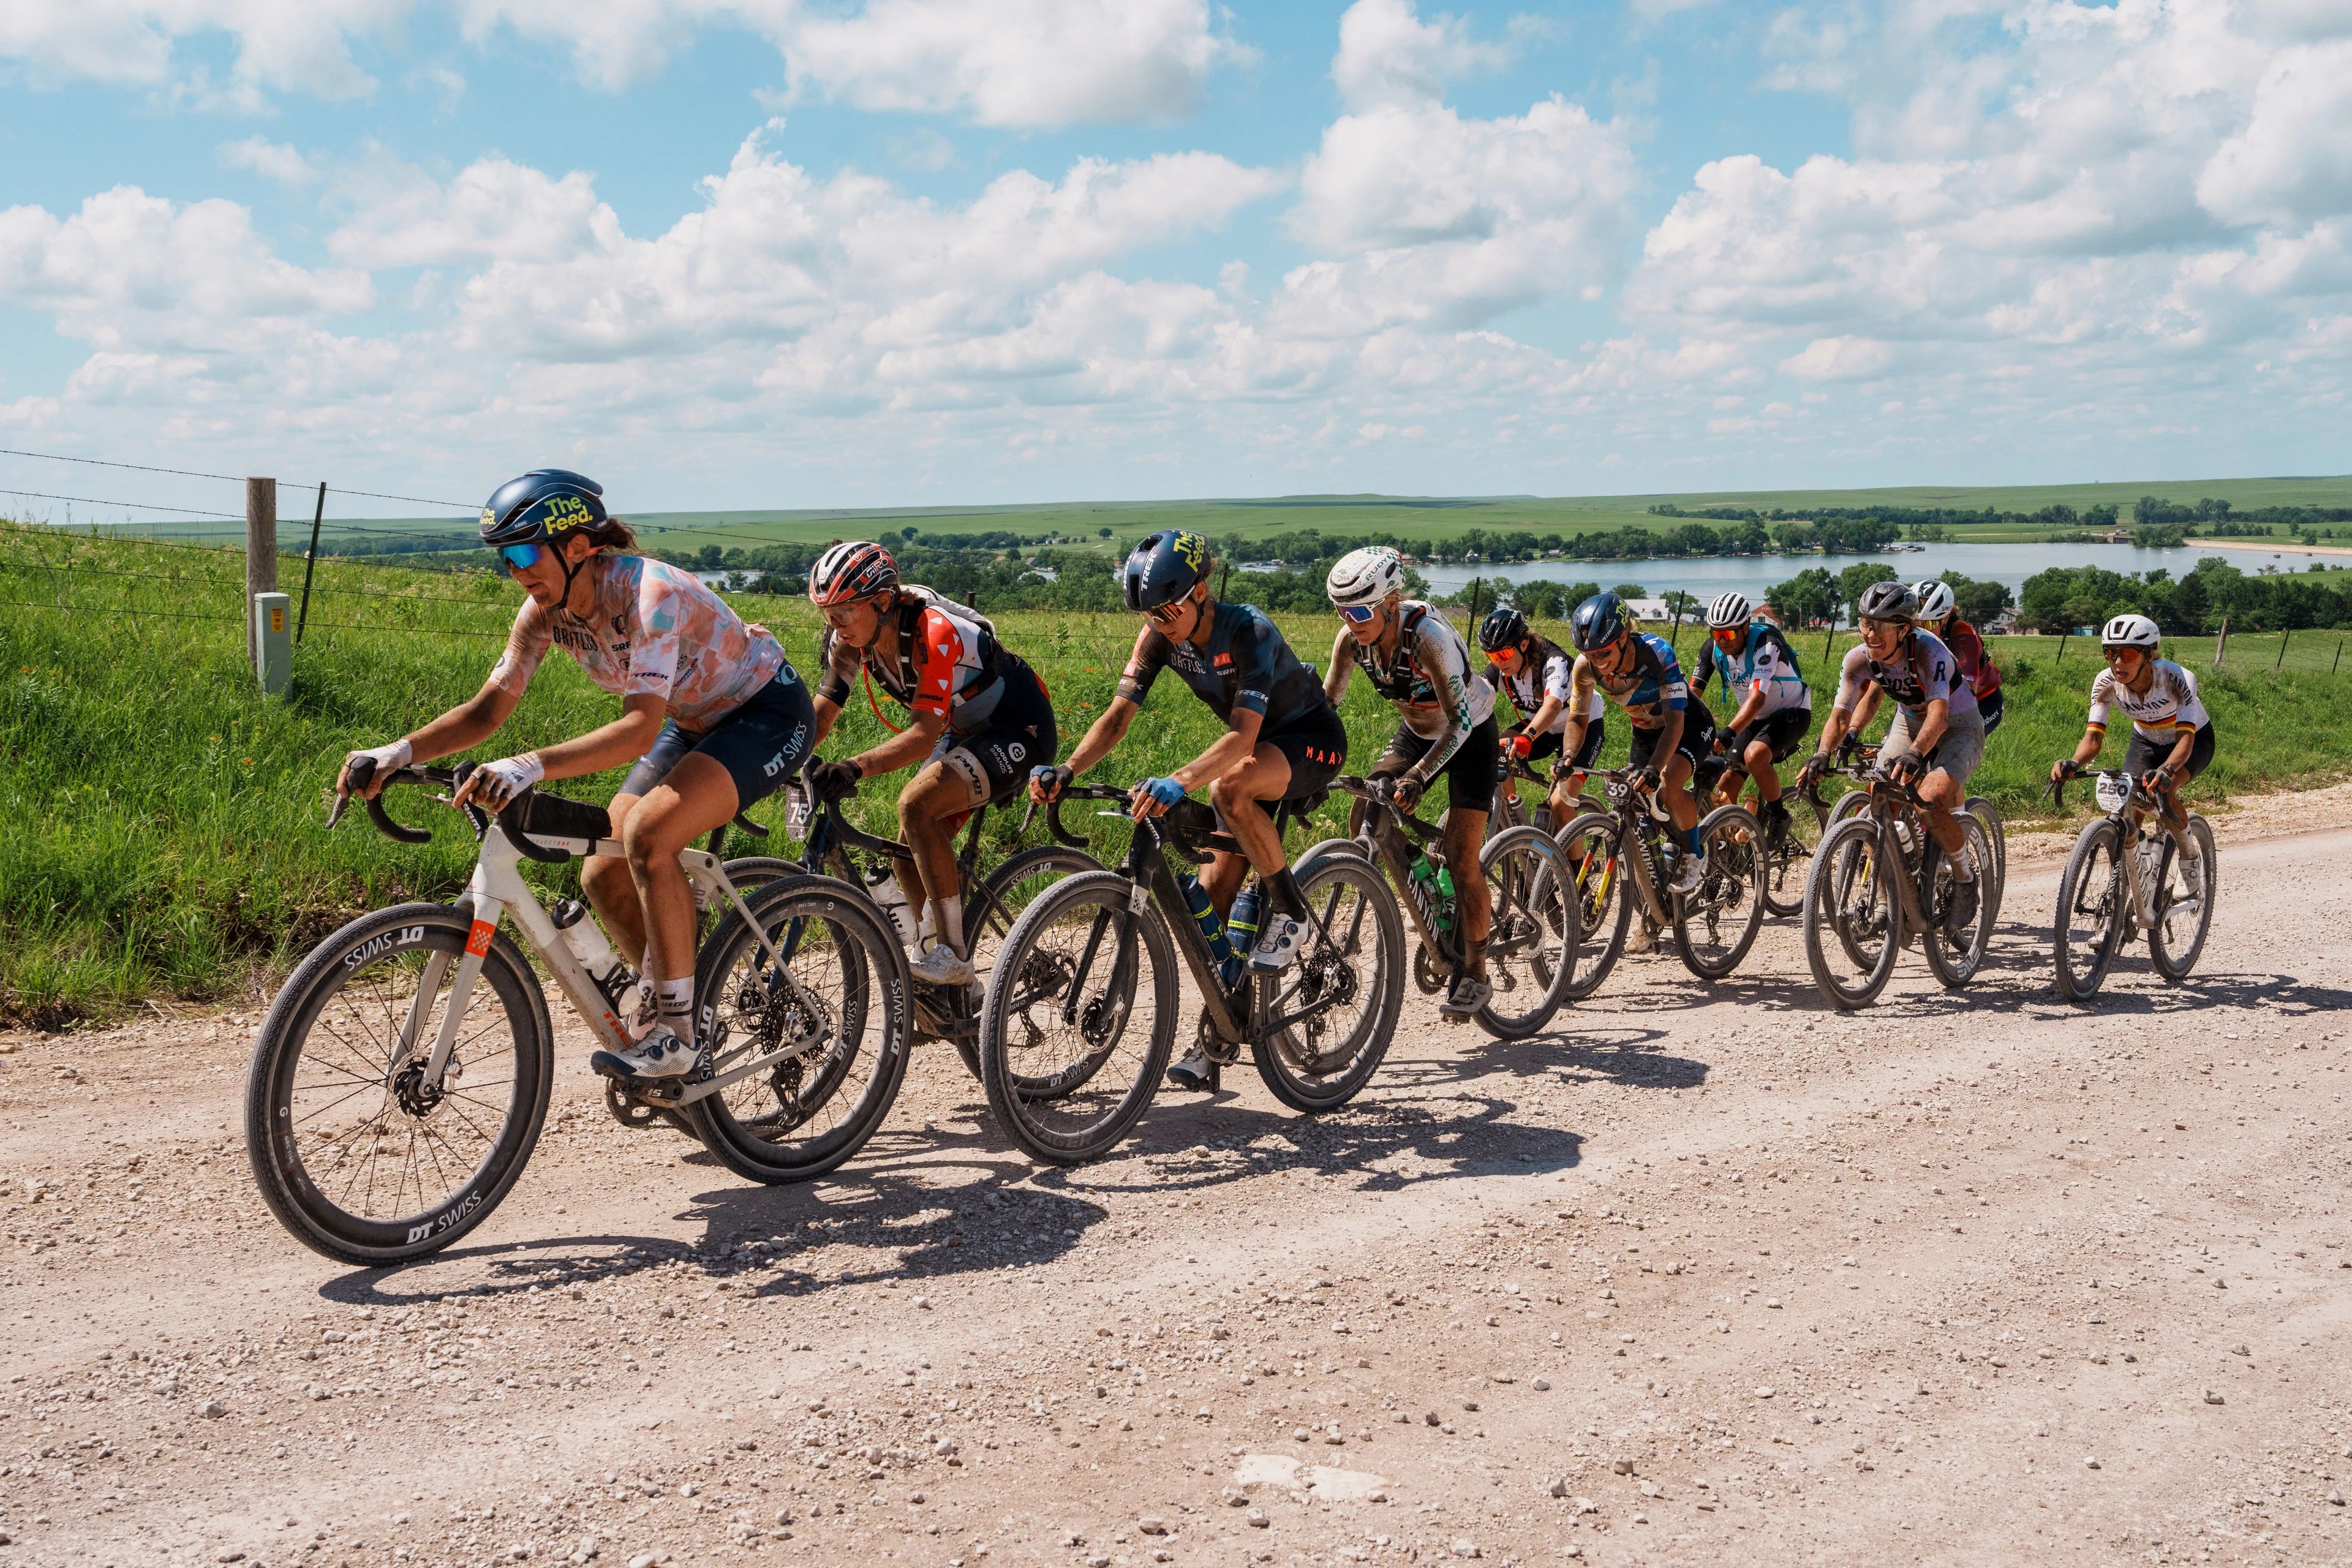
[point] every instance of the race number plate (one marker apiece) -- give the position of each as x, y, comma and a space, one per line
2114, 789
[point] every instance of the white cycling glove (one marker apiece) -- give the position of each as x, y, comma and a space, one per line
388, 760
495, 784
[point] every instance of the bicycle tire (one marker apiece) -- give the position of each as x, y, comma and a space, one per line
2173, 965
1955, 964
988, 918
1982, 808
766, 1008
1830, 877
1734, 843
1846, 805
2083, 874
1025, 978
1530, 910
1355, 846
1785, 867
1600, 826
1293, 1070
275, 1144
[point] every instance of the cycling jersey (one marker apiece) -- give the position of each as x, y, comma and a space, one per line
1922, 670
1984, 675
1247, 667
1545, 670
2171, 703
1764, 663
948, 664
651, 630
1648, 692
1428, 677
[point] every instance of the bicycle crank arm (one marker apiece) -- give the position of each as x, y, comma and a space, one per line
655, 1092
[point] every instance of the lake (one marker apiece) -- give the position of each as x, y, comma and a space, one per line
1704, 577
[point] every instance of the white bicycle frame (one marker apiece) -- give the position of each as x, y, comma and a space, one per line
498, 892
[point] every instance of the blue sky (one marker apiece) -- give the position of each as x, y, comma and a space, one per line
768, 253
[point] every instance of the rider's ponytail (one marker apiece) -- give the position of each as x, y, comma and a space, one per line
611, 534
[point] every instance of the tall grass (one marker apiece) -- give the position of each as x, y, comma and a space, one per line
162, 824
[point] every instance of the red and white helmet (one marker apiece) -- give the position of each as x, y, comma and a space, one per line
855, 570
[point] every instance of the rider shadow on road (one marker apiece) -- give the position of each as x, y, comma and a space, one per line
1623, 1054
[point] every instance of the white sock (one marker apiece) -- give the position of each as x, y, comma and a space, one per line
1965, 867
677, 1006
950, 922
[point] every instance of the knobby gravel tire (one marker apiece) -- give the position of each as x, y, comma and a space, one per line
1731, 837
1956, 962
1281, 1058
2093, 887
1824, 882
1538, 894
2175, 953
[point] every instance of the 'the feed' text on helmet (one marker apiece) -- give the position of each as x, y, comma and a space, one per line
1163, 568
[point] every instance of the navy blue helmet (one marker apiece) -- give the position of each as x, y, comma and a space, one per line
1164, 568
1598, 622
540, 505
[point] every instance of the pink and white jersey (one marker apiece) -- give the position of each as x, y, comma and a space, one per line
651, 630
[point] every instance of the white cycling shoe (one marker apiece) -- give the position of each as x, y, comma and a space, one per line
1688, 875
659, 1054
1277, 944
942, 965
1193, 1072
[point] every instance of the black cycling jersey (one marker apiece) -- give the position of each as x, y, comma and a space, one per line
1247, 667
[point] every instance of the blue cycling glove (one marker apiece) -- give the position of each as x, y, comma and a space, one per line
1167, 792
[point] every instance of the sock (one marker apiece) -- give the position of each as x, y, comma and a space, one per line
1288, 897
1691, 843
1964, 869
1474, 964
950, 922
677, 1006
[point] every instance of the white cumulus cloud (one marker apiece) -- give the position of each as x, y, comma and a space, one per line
1388, 55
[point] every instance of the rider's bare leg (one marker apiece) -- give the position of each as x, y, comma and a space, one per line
1466, 831
1239, 794
936, 793
697, 795
1758, 758
1682, 804
1943, 795
605, 879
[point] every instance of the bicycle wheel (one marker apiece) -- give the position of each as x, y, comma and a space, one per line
1982, 808
1532, 946
1787, 861
1956, 954
838, 1001
2090, 911
356, 1156
1846, 805
1851, 914
1594, 850
1079, 1017
1319, 1028
2184, 908
997, 901
1716, 923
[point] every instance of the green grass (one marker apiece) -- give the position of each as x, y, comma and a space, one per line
162, 824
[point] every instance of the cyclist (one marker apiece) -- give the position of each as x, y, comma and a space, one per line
1283, 739
2172, 736
1415, 658
1640, 672
980, 719
1937, 737
1538, 676
712, 712
1941, 614
1774, 708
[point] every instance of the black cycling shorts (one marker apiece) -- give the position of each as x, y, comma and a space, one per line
761, 744
1596, 735
1990, 705
2145, 754
1469, 773
994, 760
1784, 732
1697, 743
1315, 743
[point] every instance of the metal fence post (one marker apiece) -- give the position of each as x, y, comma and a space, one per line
2340, 657
260, 556
2279, 661
311, 564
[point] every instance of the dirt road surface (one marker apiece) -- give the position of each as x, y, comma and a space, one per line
1707, 1275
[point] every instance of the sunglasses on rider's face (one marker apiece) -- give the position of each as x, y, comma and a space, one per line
512, 557
1359, 614
1168, 614
1870, 625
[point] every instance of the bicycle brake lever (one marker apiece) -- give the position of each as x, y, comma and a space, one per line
335, 813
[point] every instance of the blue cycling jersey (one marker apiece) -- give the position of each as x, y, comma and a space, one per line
1651, 688
1246, 667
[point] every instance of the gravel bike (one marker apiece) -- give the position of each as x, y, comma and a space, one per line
2127, 876
1787, 852
1532, 943
1879, 882
1858, 760
991, 901
1617, 860
401, 1076
1081, 1006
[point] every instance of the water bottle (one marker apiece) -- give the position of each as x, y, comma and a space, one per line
585, 939
1241, 934
1205, 915
884, 890
1444, 919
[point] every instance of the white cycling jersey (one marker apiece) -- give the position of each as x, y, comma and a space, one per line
2170, 705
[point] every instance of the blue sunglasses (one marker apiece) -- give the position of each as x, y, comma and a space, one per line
1359, 614
512, 556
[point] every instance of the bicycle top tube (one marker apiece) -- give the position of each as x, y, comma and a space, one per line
1371, 791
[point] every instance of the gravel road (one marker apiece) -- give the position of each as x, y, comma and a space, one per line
1706, 1275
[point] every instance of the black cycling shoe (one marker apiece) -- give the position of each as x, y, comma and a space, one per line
1961, 912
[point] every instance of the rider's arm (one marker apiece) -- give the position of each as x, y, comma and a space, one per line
1343, 664
624, 739
909, 745
467, 725
1235, 745
2087, 749
1579, 703
1933, 723
840, 664
1439, 654
1751, 710
1546, 711
1855, 689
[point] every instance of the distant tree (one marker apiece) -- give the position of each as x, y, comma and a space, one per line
1805, 599
1629, 591
1857, 578
1542, 598
1102, 533
1979, 602
1680, 603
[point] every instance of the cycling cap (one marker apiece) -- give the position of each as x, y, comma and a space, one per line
847, 572
1598, 622
1366, 576
1731, 610
540, 505
1503, 627
1888, 602
1934, 600
2130, 631
1164, 568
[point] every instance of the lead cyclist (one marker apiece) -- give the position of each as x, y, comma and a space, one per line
712, 712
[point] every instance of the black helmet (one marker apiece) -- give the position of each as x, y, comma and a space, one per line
1503, 627
1598, 622
540, 505
1889, 601
1164, 568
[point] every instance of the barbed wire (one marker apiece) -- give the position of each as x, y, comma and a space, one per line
121, 611
239, 583
108, 463
140, 505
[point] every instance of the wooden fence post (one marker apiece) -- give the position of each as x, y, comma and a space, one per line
260, 556
2221, 645
2060, 654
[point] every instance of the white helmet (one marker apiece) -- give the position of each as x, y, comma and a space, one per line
2130, 631
1365, 576
1934, 600
1731, 610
